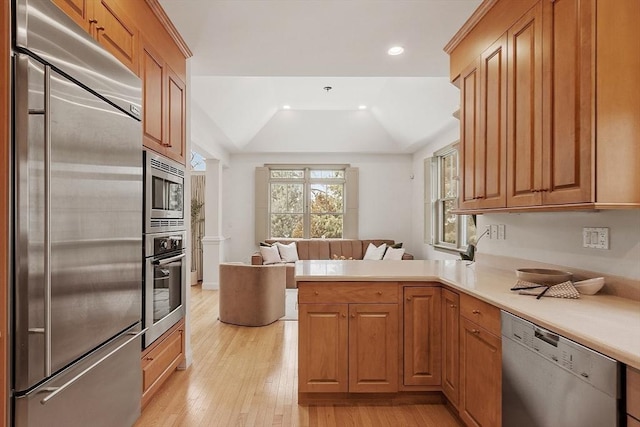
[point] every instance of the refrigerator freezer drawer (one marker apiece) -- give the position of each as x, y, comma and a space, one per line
101, 390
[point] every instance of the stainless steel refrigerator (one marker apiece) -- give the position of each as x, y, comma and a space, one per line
77, 215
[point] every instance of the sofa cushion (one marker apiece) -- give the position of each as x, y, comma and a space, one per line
288, 253
375, 252
393, 254
270, 255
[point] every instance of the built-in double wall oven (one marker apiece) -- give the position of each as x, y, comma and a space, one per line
164, 254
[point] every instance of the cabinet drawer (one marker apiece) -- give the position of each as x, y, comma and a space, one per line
480, 313
347, 292
633, 392
161, 361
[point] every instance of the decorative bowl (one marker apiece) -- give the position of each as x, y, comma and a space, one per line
543, 276
589, 286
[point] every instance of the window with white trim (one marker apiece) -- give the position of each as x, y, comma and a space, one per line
449, 231
306, 202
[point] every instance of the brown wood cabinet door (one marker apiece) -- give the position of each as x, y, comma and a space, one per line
80, 11
451, 346
117, 33
469, 130
480, 376
153, 97
323, 348
373, 348
568, 104
422, 336
524, 106
176, 117
491, 145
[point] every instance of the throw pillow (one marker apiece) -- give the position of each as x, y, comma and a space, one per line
265, 244
374, 252
270, 255
396, 245
393, 254
288, 253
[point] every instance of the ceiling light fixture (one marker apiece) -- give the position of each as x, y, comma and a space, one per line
286, 107
362, 107
327, 88
396, 50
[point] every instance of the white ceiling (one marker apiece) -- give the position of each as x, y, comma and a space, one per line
253, 56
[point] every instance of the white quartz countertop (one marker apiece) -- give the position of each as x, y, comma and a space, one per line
605, 323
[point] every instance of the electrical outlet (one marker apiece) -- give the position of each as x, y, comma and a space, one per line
494, 231
501, 232
595, 237
487, 231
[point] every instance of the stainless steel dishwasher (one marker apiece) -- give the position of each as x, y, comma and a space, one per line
551, 381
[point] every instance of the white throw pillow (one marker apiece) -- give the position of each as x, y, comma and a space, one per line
288, 253
394, 254
270, 255
374, 252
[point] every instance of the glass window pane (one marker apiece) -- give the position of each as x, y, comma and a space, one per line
470, 229
287, 173
326, 226
449, 173
327, 174
286, 226
326, 198
449, 228
287, 198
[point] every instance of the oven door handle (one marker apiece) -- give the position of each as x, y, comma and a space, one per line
165, 261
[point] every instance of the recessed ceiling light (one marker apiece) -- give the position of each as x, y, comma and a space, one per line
362, 107
396, 50
286, 107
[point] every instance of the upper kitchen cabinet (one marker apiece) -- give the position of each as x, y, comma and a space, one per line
155, 51
108, 23
572, 110
164, 105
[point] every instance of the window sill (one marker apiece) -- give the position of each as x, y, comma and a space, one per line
449, 249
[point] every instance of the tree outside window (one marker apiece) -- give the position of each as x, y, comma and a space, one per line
306, 203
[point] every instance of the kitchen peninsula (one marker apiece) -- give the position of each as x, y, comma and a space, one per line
401, 327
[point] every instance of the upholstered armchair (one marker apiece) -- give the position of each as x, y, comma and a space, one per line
251, 295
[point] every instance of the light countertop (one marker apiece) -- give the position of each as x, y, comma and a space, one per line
605, 323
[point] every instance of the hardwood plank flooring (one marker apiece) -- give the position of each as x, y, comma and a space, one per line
248, 377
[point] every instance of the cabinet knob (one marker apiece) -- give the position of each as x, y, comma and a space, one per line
148, 358
453, 306
317, 293
408, 298
475, 331
379, 292
100, 28
353, 316
344, 315
93, 21
475, 311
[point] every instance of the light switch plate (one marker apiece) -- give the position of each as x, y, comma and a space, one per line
494, 232
595, 237
501, 232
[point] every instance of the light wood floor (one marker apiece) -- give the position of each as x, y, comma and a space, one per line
248, 377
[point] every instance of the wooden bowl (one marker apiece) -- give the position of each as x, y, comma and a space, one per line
543, 276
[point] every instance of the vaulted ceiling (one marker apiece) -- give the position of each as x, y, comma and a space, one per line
252, 57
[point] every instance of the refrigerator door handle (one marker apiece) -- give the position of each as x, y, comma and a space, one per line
47, 220
57, 390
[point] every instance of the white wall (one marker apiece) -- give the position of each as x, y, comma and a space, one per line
385, 196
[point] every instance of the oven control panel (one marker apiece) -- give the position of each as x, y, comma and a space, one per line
167, 244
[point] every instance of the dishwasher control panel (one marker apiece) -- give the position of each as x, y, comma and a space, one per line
593, 367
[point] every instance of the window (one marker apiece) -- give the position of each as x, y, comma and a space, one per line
449, 231
317, 202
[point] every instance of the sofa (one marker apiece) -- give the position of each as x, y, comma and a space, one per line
312, 249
